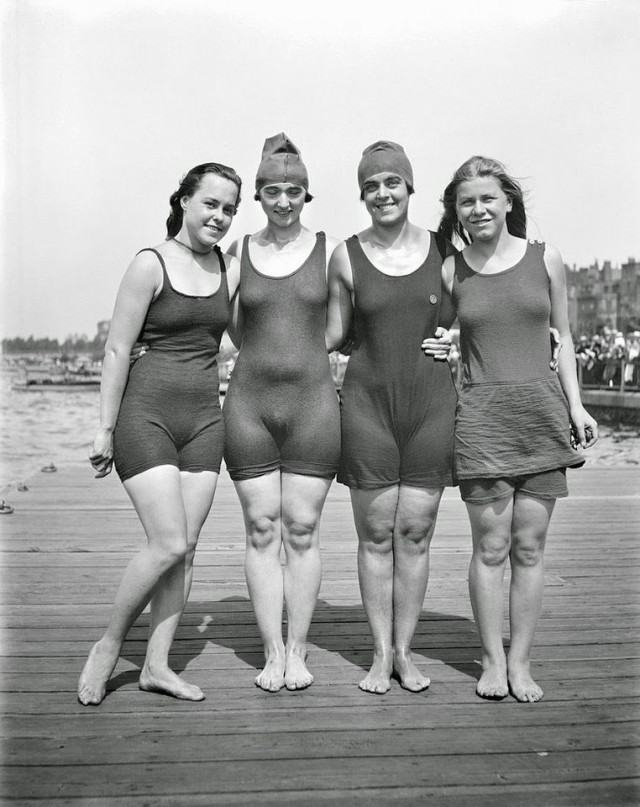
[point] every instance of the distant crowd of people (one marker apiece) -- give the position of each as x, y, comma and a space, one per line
609, 358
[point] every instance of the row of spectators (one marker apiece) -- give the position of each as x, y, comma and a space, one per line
605, 359
609, 358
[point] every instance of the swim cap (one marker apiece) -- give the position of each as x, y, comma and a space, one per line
282, 162
384, 155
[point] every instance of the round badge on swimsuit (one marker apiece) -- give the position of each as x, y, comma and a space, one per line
433, 299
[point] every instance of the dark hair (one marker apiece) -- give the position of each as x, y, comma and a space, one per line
482, 167
189, 184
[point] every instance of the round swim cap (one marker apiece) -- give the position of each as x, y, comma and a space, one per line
384, 155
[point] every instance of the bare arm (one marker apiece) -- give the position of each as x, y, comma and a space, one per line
585, 426
439, 345
141, 281
233, 337
340, 304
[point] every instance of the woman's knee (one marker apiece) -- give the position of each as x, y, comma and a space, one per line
171, 552
414, 533
300, 533
492, 550
527, 550
262, 532
376, 537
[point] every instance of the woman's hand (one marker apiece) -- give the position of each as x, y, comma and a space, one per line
584, 427
101, 456
438, 346
137, 352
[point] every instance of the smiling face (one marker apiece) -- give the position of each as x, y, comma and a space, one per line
207, 215
386, 197
482, 207
282, 202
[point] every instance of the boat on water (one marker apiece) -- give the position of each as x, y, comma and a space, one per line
54, 379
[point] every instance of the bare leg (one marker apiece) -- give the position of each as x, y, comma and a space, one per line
172, 593
491, 531
374, 513
414, 525
302, 500
260, 500
156, 494
529, 531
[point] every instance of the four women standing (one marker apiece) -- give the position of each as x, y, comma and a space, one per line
390, 288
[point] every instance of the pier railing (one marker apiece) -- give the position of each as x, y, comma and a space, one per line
615, 375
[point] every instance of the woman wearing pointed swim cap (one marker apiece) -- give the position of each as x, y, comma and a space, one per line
281, 411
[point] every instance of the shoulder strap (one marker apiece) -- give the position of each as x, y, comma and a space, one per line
166, 283
156, 253
223, 265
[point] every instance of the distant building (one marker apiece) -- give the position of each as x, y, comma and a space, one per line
629, 317
604, 297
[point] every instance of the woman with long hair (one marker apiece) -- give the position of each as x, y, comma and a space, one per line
160, 420
515, 416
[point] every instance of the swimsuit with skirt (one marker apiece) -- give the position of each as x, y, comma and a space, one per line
281, 408
170, 411
397, 404
512, 417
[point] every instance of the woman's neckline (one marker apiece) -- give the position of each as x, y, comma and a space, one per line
404, 274
278, 277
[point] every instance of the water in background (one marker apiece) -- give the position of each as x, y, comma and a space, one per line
39, 427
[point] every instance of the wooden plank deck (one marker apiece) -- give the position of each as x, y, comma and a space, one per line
64, 549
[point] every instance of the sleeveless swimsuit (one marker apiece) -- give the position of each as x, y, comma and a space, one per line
397, 404
281, 408
170, 411
512, 417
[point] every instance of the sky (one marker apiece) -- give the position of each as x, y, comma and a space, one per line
106, 104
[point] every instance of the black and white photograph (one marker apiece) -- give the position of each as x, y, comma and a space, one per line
320, 401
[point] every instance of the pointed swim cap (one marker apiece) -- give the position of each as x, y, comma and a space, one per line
384, 155
282, 162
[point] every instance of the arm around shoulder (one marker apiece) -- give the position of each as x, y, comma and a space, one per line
340, 305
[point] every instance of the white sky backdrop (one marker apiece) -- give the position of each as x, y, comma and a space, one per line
106, 103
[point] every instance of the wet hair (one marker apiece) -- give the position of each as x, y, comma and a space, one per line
482, 167
189, 184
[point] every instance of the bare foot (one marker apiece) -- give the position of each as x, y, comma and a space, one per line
97, 670
271, 678
296, 675
408, 674
521, 684
493, 682
378, 679
166, 682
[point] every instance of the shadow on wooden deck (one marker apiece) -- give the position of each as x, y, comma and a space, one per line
64, 549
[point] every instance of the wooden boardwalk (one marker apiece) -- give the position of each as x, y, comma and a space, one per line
64, 549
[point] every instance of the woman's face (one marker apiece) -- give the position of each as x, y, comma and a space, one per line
482, 207
282, 202
208, 214
386, 198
